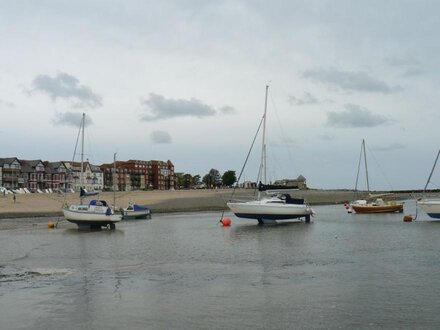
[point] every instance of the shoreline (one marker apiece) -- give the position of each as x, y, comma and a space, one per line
168, 201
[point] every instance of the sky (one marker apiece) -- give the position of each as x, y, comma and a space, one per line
185, 81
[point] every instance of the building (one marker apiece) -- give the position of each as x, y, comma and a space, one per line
38, 175
139, 175
33, 173
92, 177
299, 182
11, 169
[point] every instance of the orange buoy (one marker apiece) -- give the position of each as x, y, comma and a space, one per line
408, 218
226, 222
50, 225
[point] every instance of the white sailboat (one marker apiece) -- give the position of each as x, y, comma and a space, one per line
430, 205
95, 214
277, 204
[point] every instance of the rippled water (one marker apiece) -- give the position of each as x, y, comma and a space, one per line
182, 271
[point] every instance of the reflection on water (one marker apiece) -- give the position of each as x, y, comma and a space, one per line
184, 271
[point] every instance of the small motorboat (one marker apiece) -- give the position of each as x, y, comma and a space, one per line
135, 211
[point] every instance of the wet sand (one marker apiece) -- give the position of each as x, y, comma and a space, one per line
38, 205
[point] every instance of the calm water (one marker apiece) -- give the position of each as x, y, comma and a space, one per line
343, 271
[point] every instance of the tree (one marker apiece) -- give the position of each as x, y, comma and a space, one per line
187, 181
229, 178
213, 178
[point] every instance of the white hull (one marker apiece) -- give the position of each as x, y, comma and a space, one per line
262, 210
82, 215
127, 214
431, 207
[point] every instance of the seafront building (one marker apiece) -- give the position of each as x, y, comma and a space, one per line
38, 175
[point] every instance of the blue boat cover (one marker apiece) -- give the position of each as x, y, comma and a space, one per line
137, 207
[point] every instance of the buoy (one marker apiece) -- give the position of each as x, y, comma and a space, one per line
50, 225
226, 222
408, 218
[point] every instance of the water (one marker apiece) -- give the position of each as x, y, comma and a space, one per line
182, 271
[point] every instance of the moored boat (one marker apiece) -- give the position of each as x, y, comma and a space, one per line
277, 204
97, 213
375, 203
430, 205
135, 211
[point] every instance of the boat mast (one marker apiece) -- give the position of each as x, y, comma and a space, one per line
263, 148
366, 167
81, 179
114, 181
432, 171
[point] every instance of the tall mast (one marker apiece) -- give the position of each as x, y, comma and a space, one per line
81, 178
263, 148
366, 167
114, 180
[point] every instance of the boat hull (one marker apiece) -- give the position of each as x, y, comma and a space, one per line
368, 208
130, 215
431, 207
260, 211
90, 219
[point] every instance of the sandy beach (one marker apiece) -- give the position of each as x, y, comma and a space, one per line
37, 205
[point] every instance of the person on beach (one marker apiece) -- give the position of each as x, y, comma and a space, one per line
15, 198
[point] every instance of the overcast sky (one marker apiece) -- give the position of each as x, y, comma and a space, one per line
185, 81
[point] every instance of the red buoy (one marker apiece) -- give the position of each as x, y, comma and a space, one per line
226, 222
408, 218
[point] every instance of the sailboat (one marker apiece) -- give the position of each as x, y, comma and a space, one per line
95, 214
375, 203
430, 205
277, 204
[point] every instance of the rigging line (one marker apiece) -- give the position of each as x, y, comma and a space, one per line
283, 135
77, 139
247, 157
380, 168
358, 170
432, 171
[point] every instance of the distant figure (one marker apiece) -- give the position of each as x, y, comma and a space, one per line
15, 198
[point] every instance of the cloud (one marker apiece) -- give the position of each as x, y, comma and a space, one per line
65, 86
160, 137
305, 100
326, 137
7, 104
390, 147
355, 116
228, 110
162, 108
401, 61
409, 65
350, 81
70, 119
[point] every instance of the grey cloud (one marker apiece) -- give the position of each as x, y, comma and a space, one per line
326, 137
162, 108
409, 65
350, 81
305, 100
70, 119
401, 61
228, 110
390, 147
160, 137
65, 86
412, 72
7, 104
355, 116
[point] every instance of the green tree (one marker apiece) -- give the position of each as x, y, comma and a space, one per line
213, 178
229, 178
187, 181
